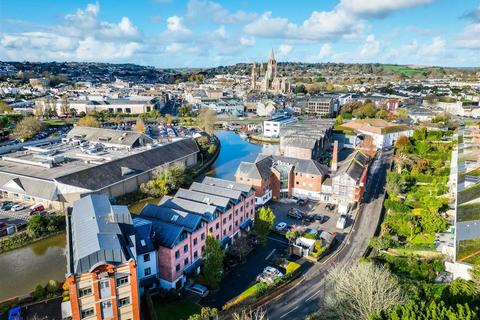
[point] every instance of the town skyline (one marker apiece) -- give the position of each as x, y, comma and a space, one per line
173, 34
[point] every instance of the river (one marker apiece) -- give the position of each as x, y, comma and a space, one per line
22, 269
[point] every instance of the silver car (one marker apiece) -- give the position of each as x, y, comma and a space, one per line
198, 289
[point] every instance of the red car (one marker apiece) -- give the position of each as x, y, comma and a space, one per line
36, 208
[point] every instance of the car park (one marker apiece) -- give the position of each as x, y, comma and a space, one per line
308, 218
198, 289
17, 207
36, 208
281, 226
6, 205
330, 206
321, 218
302, 202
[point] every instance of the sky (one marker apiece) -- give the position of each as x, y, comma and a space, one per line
200, 33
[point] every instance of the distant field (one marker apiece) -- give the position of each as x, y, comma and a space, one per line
403, 69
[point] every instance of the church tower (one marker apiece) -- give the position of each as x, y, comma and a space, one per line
254, 75
271, 67
261, 72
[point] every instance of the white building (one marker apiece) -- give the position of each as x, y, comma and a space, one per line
272, 128
147, 259
266, 108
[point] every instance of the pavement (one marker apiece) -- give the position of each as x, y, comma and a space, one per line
242, 276
306, 297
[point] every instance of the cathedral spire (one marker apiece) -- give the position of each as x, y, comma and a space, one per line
272, 55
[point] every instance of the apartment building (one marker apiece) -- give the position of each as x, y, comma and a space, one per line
101, 274
321, 106
180, 225
282, 177
272, 127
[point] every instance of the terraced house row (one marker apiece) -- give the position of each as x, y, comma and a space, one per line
112, 257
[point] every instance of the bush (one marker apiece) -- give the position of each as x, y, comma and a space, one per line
39, 292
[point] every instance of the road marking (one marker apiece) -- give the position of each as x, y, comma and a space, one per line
282, 242
285, 314
312, 296
270, 254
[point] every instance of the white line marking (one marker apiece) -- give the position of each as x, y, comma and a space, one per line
285, 314
270, 254
312, 296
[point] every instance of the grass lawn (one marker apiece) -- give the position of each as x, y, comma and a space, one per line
175, 310
54, 122
403, 69
251, 291
138, 206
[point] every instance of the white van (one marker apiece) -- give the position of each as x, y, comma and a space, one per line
341, 222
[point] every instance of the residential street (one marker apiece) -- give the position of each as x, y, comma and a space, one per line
306, 297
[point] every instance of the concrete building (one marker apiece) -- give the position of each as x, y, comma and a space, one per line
101, 275
272, 127
383, 133
89, 160
321, 106
180, 225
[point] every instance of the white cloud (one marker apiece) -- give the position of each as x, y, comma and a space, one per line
266, 26
79, 37
435, 48
285, 49
325, 51
201, 9
175, 24
378, 8
370, 49
247, 41
470, 37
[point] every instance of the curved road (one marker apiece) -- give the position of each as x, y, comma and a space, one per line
306, 297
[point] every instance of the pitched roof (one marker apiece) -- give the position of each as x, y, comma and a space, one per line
204, 209
223, 192
103, 175
99, 234
227, 184
200, 197
129, 139
143, 232
177, 217
354, 165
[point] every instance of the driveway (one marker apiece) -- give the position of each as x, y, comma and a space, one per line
242, 276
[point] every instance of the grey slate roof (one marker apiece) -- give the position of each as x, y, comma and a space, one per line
177, 217
100, 233
129, 139
234, 195
186, 205
219, 202
245, 188
353, 166
43, 189
143, 232
103, 175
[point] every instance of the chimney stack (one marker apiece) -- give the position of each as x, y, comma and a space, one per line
335, 157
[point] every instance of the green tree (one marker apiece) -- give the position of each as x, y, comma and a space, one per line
166, 181
205, 314
264, 223
4, 122
213, 256
185, 111
37, 225
27, 128
382, 114
420, 134
300, 89
402, 143
339, 120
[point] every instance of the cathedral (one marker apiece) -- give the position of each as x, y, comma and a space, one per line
268, 81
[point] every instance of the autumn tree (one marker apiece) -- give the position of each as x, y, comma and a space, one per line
27, 128
65, 105
88, 121
206, 120
360, 290
4, 107
118, 119
140, 125
213, 256
264, 223
402, 143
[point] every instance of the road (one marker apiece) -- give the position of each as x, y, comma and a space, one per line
306, 297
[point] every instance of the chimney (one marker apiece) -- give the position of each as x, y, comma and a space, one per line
335, 157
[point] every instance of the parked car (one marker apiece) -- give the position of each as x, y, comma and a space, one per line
281, 226
312, 231
321, 218
294, 199
330, 206
17, 207
6, 205
36, 208
269, 275
308, 218
302, 202
3, 225
341, 222
295, 214
198, 289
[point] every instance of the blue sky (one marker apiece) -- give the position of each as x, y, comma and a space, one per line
199, 33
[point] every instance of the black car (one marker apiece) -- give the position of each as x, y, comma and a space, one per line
330, 206
302, 202
321, 218
308, 218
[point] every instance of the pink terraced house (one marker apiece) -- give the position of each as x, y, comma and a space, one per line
181, 224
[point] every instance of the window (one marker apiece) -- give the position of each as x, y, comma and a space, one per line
218, 238
229, 228
84, 292
177, 254
147, 271
224, 220
185, 248
211, 229
177, 267
202, 236
230, 217
122, 281
123, 302
217, 226
241, 219
195, 241
195, 255
241, 209
146, 257
87, 313
224, 232
236, 212
236, 223
185, 262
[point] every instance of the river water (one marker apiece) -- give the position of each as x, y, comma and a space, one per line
22, 269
